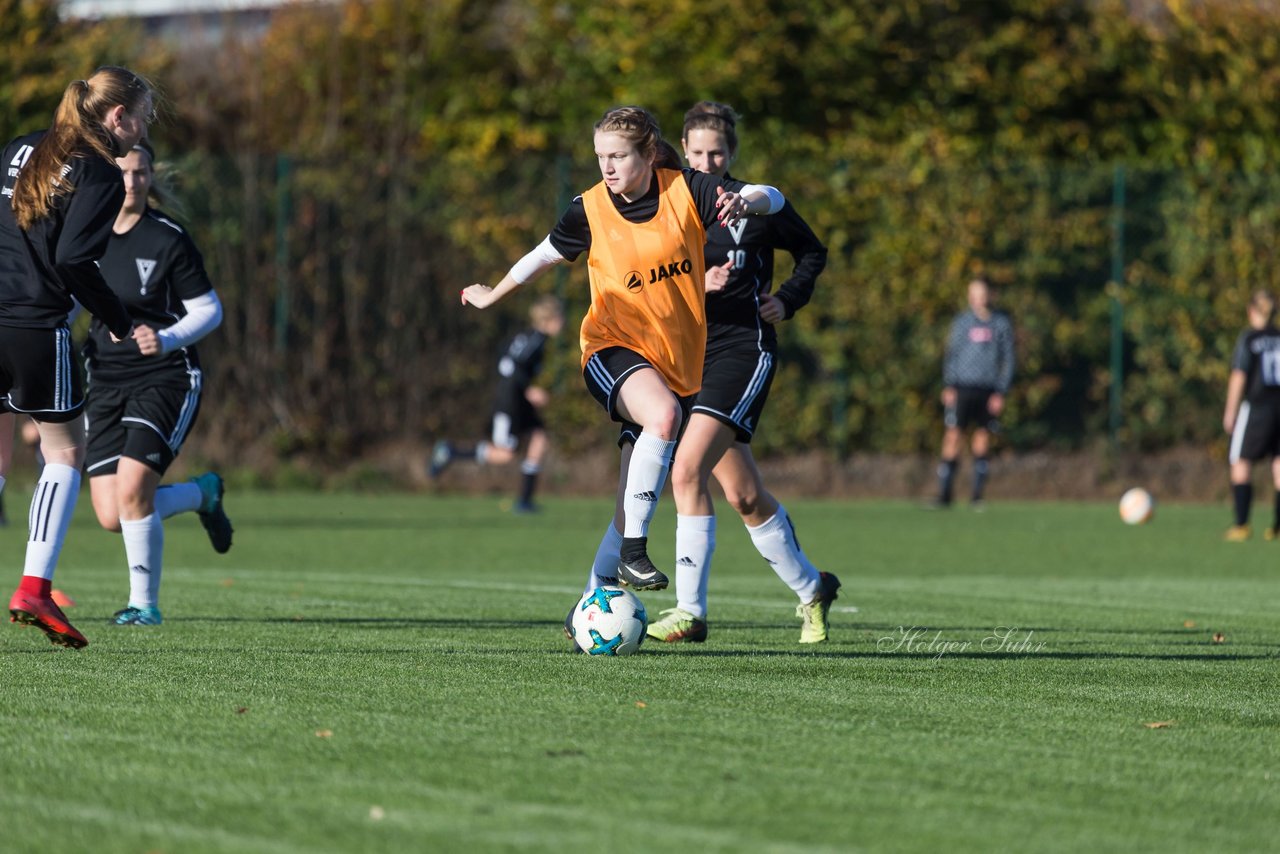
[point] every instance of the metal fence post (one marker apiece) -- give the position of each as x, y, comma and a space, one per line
1117, 306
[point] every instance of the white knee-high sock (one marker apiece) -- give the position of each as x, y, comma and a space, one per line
175, 498
695, 543
776, 542
51, 507
144, 550
604, 569
650, 461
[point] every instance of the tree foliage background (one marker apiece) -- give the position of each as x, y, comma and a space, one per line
351, 168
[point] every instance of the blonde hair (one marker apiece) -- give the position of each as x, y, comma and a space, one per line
545, 308
160, 193
77, 123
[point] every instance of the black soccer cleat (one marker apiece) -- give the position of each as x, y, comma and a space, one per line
635, 570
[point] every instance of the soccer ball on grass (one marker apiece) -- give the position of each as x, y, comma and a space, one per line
1137, 506
609, 621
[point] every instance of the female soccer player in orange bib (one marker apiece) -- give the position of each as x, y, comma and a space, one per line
643, 339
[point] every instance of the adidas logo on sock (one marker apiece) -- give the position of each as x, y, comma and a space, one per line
645, 496
140, 568
686, 561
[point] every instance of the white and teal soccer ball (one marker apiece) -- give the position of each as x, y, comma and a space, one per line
1137, 506
609, 621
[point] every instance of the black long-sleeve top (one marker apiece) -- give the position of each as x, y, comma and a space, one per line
43, 267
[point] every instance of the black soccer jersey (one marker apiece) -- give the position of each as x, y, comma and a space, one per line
152, 268
520, 362
750, 244
42, 268
1257, 354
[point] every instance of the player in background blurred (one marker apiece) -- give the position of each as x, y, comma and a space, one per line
1252, 414
976, 372
144, 392
517, 406
742, 345
643, 228
61, 194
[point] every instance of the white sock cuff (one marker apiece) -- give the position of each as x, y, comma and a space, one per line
174, 498
139, 524
647, 443
700, 524
773, 522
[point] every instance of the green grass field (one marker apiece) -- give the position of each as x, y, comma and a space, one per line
388, 673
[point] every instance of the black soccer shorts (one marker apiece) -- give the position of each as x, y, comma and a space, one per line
39, 374
972, 410
1257, 432
604, 374
144, 423
735, 386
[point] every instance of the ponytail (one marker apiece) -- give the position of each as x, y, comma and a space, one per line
78, 123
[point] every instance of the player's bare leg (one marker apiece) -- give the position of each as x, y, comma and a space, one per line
645, 399
774, 536
52, 505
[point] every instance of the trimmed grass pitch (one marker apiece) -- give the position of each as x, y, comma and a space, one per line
387, 673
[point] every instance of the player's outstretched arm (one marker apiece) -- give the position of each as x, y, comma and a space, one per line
532, 265
483, 296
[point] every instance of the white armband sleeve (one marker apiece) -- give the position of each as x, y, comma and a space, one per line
204, 313
532, 265
776, 199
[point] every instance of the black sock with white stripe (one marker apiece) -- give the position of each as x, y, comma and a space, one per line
51, 507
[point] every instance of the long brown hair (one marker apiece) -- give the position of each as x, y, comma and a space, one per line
77, 123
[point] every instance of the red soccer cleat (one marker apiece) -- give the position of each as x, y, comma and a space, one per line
43, 613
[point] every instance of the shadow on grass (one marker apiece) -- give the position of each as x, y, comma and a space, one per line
832, 651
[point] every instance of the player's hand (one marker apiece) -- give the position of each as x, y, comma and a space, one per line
481, 296
995, 404
771, 309
537, 397
717, 277
949, 397
147, 339
115, 340
732, 207
1229, 422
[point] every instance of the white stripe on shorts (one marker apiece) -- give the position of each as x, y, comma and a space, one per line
1237, 435
602, 377
753, 388
188, 411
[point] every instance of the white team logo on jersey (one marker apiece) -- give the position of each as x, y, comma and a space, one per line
736, 230
145, 268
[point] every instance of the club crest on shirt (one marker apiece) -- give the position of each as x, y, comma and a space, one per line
736, 230
146, 266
